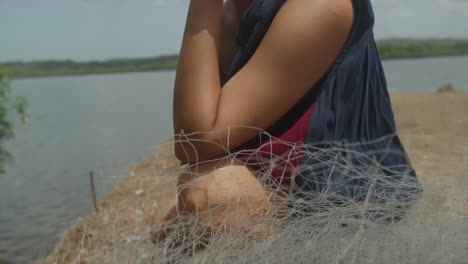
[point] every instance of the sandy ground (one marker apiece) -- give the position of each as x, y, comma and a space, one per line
432, 126
434, 130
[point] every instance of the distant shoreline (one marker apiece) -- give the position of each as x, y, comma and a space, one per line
78, 74
390, 49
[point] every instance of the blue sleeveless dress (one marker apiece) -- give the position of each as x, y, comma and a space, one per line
353, 148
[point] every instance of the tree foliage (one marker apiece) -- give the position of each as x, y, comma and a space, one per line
411, 48
69, 67
11, 108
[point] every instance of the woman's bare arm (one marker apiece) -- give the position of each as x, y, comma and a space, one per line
300, 46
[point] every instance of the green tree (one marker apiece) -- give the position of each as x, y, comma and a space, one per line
11, 108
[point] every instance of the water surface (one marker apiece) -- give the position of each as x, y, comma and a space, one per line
104, 123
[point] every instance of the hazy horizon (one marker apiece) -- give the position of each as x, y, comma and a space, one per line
97, 30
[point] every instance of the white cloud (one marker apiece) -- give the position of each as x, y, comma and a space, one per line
421, 18
165, 2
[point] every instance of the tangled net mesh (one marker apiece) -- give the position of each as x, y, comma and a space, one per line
378, 223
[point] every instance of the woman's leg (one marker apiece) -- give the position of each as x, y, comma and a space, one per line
223, 195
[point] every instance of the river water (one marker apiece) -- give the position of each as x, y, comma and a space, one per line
106, 123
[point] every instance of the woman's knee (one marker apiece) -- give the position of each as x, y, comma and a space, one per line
192, 198
228, 186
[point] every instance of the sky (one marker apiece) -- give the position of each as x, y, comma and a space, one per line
85, 30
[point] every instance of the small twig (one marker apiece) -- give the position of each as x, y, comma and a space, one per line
93, 190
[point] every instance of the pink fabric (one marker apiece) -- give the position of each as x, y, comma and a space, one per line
283, 155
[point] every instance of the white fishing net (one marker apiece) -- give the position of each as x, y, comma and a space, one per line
382, 225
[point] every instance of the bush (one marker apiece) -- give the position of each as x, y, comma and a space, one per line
11, 108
